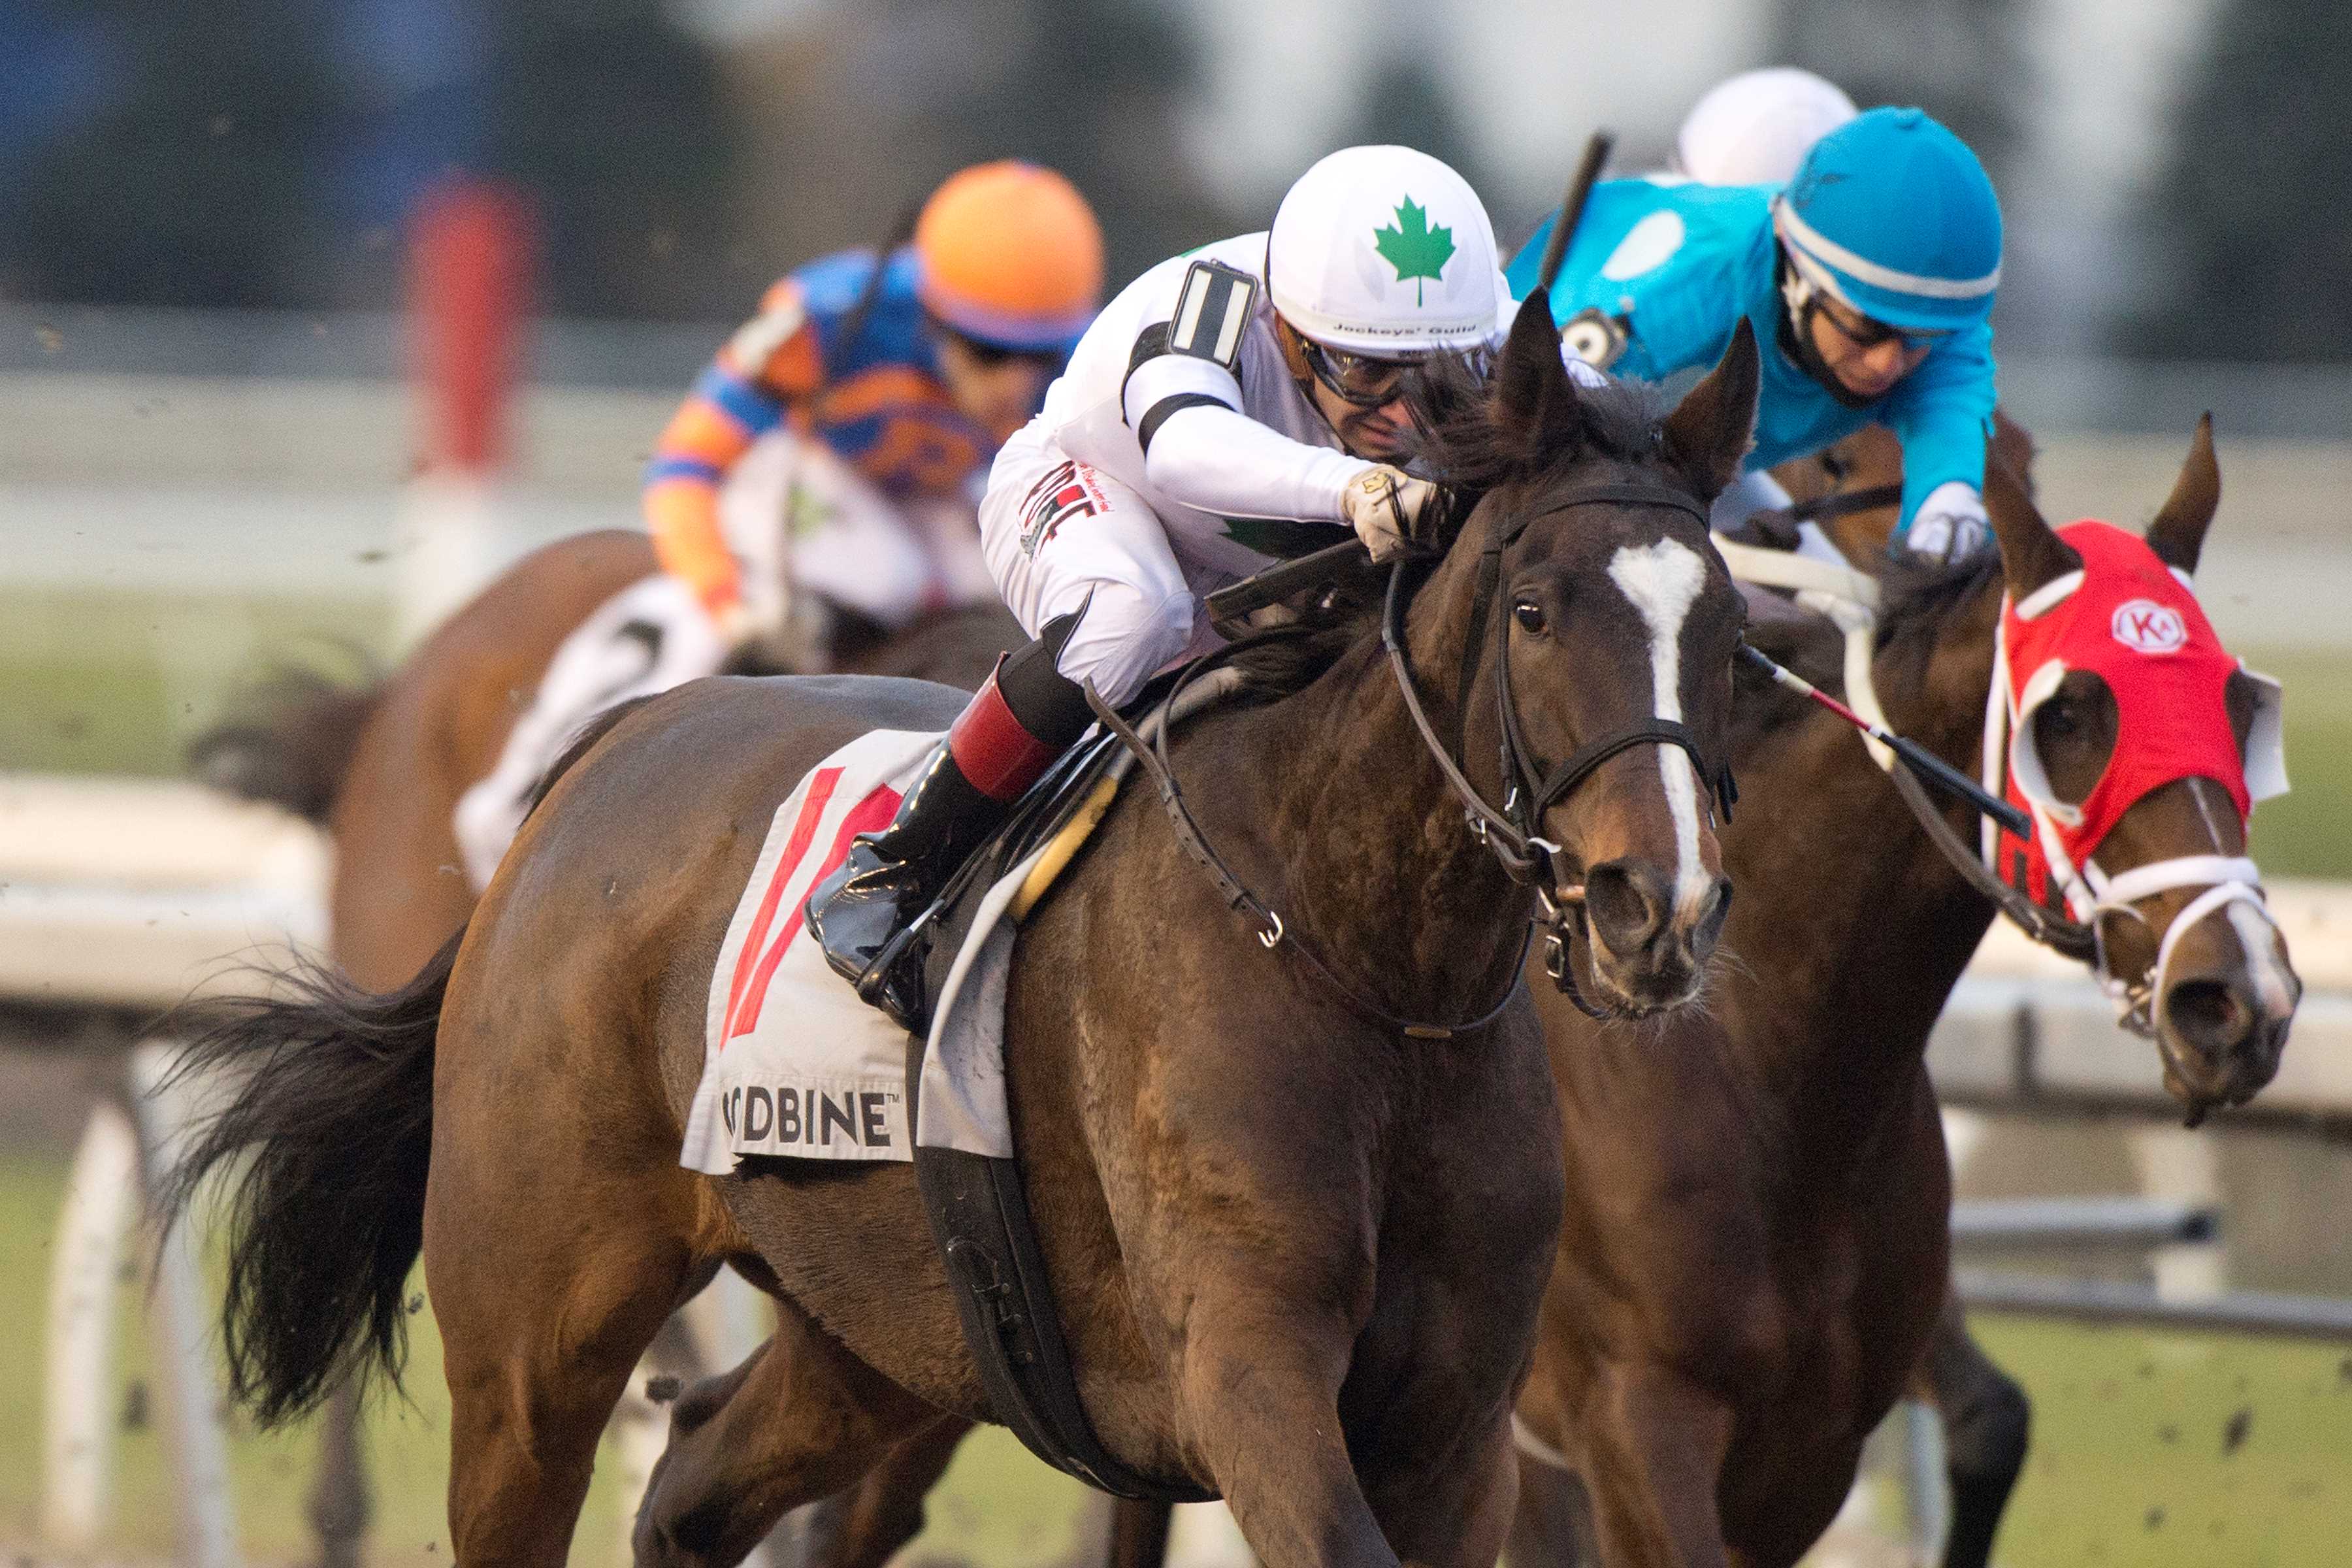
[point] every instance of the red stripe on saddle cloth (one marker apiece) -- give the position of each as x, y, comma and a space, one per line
820, 795
868, 815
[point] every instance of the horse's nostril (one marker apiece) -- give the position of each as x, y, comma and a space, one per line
2210, 1015
1628, 904
1709, 925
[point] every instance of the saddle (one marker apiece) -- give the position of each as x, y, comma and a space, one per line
978, 1207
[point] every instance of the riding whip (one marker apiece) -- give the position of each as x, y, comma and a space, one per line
1917, 758
1571, 208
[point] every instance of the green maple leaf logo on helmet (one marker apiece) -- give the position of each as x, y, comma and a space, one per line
1412, 247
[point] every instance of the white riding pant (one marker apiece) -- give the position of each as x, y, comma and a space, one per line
798, 518
651, 635
1061, 535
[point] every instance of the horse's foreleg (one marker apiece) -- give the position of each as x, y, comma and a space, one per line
1986, 1418
865, 1526
1551, 1526
1656, 1442
1448, 1507
803, 1418
1139, 1533
1261, 1390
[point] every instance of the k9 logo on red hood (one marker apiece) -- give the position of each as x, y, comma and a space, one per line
2143, 625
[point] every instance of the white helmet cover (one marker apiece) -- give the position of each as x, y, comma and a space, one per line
1384, 251
1754, 128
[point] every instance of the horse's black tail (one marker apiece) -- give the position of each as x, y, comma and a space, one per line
289, 742
328, 1102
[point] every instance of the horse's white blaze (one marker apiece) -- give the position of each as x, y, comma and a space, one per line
2259, 938
1663, 579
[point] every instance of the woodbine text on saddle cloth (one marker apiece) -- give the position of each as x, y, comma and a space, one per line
793, 1063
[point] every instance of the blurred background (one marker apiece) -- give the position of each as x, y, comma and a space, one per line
210, 426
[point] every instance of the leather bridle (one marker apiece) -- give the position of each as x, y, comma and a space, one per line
1510, 830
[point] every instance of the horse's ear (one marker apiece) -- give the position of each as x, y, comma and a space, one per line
2178, 534
1533, 393
2032, 553
1710, 430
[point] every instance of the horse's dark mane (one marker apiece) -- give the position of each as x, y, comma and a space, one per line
1461, 439
1917, 599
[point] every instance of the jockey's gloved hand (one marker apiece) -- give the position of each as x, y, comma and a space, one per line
1951, 524
1384, 505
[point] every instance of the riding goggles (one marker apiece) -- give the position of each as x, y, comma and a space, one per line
1363, 380
1816, 291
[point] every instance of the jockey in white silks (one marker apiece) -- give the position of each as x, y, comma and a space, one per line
1238, 404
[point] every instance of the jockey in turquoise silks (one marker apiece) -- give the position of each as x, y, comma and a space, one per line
1872, 272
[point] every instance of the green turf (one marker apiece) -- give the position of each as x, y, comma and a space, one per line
2309, 832
2132, 1462
2179, 1451
105, 683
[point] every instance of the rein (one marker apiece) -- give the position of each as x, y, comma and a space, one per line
1153, 758
1834, 504
2231, 879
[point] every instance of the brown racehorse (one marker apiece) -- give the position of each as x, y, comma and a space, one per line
1297, 1249
1756, 1249
1985, 1412
1298, 1253
383, 770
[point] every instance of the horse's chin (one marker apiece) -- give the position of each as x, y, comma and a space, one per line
1640, 990
2203, 1084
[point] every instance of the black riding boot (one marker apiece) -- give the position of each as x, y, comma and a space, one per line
891, 877
1024, 718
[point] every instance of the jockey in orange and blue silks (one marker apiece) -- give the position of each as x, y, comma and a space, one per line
840, 437
1872, 272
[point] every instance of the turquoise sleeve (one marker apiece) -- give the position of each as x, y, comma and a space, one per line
1943, 413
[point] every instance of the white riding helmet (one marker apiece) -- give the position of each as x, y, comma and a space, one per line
1384, 251
1757, 127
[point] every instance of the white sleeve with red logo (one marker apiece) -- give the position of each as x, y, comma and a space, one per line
1201, 441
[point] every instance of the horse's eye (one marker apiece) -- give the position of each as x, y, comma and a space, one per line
2058, 720
1529, 615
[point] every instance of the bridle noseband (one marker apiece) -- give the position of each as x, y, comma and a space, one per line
1510, 830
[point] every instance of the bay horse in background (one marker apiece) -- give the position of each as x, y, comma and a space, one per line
383, 767
1298, 1252
1756, 1252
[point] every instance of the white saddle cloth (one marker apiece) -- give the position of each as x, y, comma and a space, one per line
793, 1063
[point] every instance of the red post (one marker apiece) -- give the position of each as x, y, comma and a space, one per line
469, 285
